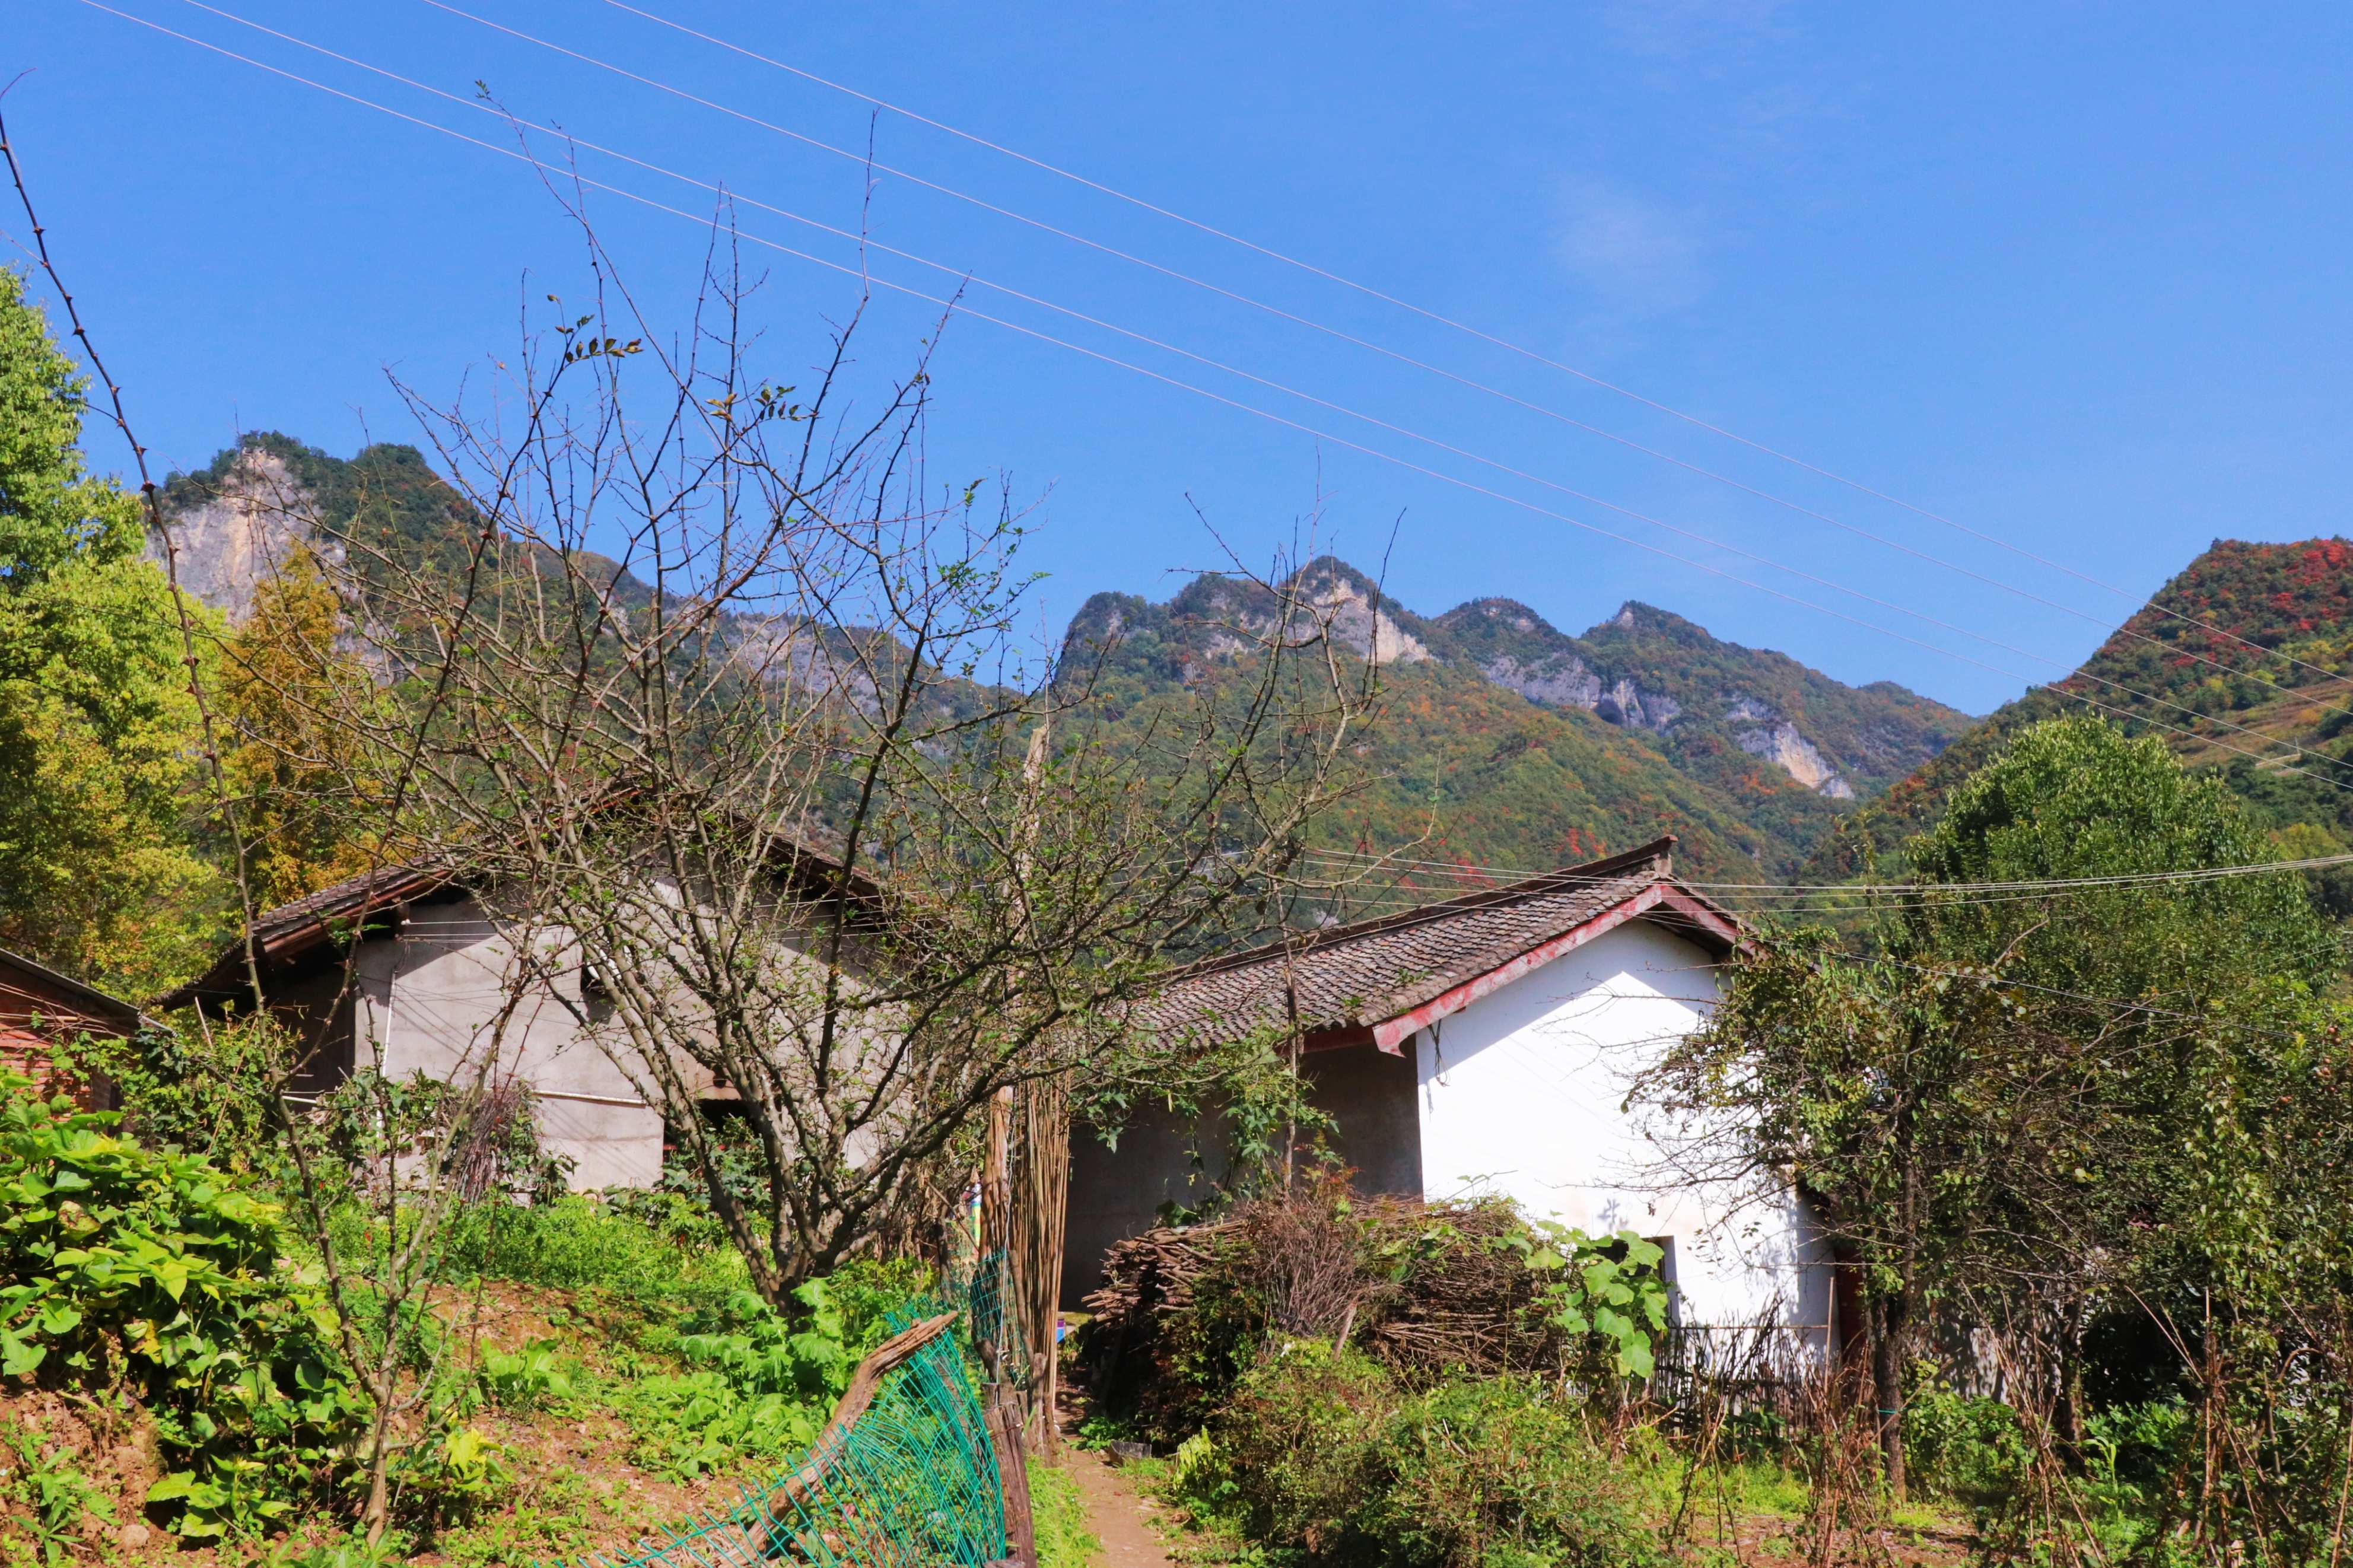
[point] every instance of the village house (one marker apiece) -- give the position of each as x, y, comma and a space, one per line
41, 1010
410, 970
1487, 1045
425, 991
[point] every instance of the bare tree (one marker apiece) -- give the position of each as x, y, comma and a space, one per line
718, 686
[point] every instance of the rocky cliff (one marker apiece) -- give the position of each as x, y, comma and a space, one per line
1750, 755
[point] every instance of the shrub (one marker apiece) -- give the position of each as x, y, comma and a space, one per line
1320, 1452
760, 1383
1972, 1450
1495, 1472
1293, 1454
2129, 1449
160, 1272
1428, 1289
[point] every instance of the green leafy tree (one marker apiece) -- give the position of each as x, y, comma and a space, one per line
98, 732
299, 764
160, 1275
2031, 1103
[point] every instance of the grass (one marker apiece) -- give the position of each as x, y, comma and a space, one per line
1061, 1517
576, 1243
569, 1416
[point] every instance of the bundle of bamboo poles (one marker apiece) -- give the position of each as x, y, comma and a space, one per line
1025, 1191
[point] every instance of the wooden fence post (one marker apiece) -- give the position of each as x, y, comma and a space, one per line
1012, 1474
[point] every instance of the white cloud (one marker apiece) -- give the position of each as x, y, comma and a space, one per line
1633, 254
1679, 29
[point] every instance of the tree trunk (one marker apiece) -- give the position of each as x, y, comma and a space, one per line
2067, 1417
1888, 1315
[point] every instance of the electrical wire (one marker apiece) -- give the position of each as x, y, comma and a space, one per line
970, 278
1452, 324
919, 294
1831, 899
2121, 878
2124, 628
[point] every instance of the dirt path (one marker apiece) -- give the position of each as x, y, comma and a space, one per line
1114, 1514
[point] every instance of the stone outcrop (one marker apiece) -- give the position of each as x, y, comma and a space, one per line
238, 536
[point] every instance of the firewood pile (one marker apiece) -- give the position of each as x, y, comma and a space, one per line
1424, 1287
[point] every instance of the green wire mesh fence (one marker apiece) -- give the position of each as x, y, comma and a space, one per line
911, 1480
994, 1334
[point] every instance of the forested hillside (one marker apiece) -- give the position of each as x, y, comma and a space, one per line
2243, 664
1503, 741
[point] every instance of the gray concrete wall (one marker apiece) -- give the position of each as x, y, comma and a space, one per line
434, 1000
1369, 1095
1118, 1193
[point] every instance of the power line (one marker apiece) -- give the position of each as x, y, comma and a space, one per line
869, 281
1450, 322
2121, 878
485, 108
1836, 898
2126, 629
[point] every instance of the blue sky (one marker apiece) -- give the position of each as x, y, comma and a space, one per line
2068, 274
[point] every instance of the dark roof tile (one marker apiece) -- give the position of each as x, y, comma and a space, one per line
1365, 973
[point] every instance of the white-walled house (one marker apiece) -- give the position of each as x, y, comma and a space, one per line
1488, 1045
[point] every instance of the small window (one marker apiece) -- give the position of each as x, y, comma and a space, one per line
596, 994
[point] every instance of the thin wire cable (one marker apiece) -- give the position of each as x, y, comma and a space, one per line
1450, 322
1831, 899
2111, 627
1342, 409
866, 279
2121, 878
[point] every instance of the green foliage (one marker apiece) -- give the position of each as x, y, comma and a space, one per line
579, 1242
454, 1478
1605, 1291
1501, 1473
2247, 636
51, 1491
190, 1091
53, 512
2116, 1113
760, 1385
1321, 1454
162, 1274
767, 1354
1059, 1515
525, 1379
1246, 1106
1487, 753
2075, 798
298, 707
98, 733
1969, 1450
1294, 1452
1592, 1309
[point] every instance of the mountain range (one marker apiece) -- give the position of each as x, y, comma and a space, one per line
2243, 663
1503, 743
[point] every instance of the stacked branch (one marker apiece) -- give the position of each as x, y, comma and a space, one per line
1424, 1287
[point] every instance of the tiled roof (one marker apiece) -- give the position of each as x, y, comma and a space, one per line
292, 927
295, 927
1359, 976
28, 988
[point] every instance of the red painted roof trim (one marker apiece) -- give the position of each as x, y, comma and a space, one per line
1392, 1034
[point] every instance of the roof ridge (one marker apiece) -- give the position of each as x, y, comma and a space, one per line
1544, 882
